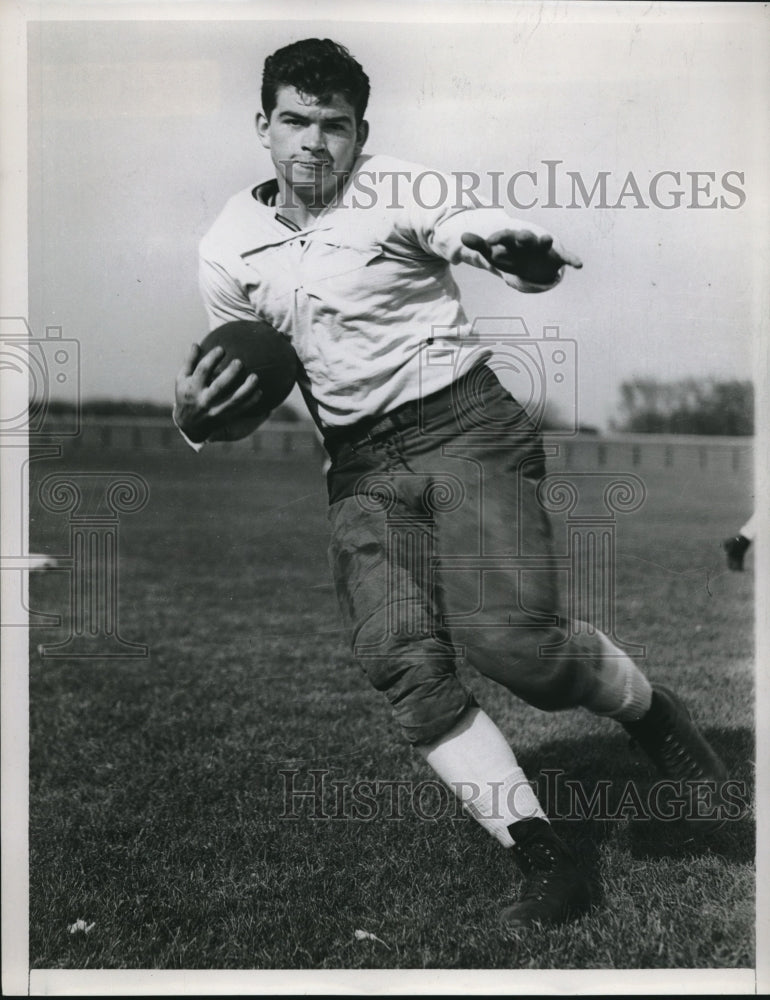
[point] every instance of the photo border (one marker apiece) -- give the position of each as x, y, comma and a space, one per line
17, 978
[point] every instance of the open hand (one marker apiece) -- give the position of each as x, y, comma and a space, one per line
518, 251
207, 400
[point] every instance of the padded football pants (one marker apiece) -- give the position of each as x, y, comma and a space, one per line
440, 550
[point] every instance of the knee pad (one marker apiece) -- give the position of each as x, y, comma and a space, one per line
425, 693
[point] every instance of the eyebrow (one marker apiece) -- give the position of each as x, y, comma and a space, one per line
336, 120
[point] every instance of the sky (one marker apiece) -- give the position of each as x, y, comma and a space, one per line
139, 131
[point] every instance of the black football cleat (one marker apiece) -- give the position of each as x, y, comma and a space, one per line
555, 890
681, 754
736, 548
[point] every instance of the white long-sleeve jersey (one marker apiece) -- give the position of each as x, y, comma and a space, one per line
365, 293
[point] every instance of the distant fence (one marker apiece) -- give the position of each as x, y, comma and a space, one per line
157, 434
684, 453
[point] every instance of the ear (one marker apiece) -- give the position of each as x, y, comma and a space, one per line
263, 128
362, 134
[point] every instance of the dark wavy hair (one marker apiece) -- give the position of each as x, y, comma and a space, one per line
317, 67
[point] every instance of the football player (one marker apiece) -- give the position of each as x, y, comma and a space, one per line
737, 545
349, 256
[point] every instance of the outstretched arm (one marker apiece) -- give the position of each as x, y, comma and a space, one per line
531, 257
524, 254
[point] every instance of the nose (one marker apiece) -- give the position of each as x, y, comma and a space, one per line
313, 139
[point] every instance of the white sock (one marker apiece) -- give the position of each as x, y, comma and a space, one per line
475, 760
621, 691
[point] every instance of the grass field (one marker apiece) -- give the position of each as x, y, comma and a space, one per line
157, 799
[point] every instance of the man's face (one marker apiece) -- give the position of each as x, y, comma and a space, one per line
312, 144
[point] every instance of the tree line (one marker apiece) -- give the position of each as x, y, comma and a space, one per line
705, 406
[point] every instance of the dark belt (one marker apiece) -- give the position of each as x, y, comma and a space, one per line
406, 415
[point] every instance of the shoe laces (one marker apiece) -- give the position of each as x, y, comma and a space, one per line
678, 759
538, 860
540, 863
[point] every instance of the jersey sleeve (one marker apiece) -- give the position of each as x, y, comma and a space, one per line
196, 446
439, 229
224, 299
447, 243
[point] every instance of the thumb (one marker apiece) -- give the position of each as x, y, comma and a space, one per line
477, 243
570, 258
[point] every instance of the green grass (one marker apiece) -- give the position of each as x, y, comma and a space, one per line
156, 793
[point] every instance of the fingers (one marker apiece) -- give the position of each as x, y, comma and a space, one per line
224, 380
204, 394
190, 361
516, 241
249, 394
522, 240
570, 258
477, 243
513, 242
208, 363
245, 396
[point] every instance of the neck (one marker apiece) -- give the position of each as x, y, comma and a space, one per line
303, 204
296, 210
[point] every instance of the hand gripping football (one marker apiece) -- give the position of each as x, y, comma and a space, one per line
262, 351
